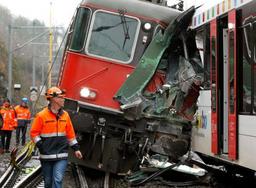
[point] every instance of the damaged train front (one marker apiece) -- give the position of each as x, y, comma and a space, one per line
164, 115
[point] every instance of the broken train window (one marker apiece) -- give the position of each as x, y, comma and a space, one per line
203, 45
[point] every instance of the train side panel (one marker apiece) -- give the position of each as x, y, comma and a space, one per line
247, 141
201, 133
230, 93
103, 77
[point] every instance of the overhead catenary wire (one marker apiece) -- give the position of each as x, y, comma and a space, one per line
29, 42
53, 63
50, 69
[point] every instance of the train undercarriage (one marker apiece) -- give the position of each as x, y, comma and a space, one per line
112, 143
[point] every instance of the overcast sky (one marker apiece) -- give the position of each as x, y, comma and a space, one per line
63, 10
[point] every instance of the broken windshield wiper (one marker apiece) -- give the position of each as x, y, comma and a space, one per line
125, 26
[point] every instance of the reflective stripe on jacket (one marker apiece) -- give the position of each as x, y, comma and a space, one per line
22, 112
53, 134
9, 119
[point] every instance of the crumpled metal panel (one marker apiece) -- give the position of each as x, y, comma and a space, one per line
168, 110
149, 62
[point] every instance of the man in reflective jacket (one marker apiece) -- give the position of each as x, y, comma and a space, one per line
9, 124
23, 117
53, 132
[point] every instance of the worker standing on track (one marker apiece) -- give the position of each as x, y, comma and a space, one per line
23, 117
53, 132
9, 124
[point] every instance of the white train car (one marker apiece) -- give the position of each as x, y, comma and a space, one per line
225, 130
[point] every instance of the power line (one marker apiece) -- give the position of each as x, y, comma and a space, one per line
11, 51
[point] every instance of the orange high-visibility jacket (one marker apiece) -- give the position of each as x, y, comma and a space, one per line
9, 118
53, 134
22, 112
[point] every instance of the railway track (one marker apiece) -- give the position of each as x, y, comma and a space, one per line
31, 177
24, 171
16, 166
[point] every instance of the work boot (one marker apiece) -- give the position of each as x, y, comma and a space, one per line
1, 151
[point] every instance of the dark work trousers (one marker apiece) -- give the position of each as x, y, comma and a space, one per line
22, 128
6, 139
1, 144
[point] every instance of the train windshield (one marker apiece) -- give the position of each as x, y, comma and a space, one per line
113, 36
79, 29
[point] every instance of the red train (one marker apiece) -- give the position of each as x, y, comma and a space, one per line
132, 73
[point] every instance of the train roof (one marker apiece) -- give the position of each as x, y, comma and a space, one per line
140, 8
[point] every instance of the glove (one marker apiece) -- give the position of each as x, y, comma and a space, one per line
39, 145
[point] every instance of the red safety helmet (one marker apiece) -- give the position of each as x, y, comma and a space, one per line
54, 92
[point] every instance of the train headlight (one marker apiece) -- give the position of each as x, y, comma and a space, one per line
87, 93
147, 26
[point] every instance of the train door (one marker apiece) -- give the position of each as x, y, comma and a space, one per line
223, 86
219, 85
214, 86
225, 92
232, 86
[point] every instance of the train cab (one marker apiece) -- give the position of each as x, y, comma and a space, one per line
105, 42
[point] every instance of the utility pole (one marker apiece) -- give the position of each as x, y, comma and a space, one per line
33, 60
10, 63
42, 78
11, 51
50, 49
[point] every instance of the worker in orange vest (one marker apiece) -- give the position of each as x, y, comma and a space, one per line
9, 124
23, 117
1, 125
52, 132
